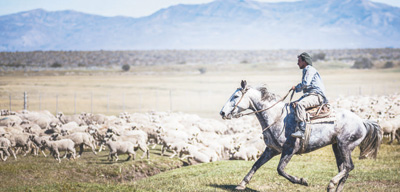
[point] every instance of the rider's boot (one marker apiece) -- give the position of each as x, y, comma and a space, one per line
300, 131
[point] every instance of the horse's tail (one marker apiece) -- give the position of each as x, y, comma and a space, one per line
370, 145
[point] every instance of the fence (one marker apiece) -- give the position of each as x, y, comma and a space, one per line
204, 103
114, 103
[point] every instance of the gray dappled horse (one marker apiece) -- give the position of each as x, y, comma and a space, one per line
345, 133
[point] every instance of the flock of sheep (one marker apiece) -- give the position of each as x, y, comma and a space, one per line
183, 135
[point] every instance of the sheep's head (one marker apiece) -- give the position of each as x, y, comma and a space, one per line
64, 132
32, 137
44, 142
59, 115
54, 136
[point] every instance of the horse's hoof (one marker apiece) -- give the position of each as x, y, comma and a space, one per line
331, 187
240, 187
303, 182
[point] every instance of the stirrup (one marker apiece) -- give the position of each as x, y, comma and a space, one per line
298, 134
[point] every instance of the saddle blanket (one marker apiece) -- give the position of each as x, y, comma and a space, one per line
330, 119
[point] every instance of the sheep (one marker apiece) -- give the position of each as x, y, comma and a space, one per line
390, 127
55, 147
5, 147
43, 119
79, 139
37, 142
119, 146
198, 154
10, 120
32, 129
247, 153
136, 140
19, 139
64, 119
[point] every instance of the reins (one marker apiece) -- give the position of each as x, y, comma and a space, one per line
254, 112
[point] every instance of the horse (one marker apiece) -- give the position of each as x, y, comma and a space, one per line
278, 122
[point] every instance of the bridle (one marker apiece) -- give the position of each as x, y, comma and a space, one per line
254, 112
244, 91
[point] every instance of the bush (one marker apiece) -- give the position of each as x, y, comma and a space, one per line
388, 64
202, 70
363, 63
126, 67
56, 65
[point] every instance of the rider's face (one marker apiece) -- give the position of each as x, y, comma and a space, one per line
302, 64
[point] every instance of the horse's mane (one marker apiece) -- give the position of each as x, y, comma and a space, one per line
265, 94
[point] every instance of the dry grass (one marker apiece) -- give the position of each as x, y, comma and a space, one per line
177, 88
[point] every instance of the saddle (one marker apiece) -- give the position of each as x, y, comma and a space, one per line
317, 112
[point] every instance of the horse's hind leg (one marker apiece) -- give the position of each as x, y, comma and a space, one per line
287, 155
266, 156
344, 151
340, 165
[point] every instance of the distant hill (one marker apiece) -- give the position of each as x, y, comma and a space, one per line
221, 24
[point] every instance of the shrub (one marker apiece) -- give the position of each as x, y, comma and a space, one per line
126, 67
388, 64
56, 65
202, 70
363, 63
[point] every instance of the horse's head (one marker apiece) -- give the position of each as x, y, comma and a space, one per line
237, 103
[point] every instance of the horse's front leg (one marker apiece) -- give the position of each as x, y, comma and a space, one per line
266, 156
287, 153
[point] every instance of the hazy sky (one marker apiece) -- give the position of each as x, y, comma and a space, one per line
130, 8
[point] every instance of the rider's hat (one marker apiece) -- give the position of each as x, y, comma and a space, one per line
306, 57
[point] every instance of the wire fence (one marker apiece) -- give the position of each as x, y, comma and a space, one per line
114, 103
204, 103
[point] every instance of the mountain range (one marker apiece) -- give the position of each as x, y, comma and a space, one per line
221, 24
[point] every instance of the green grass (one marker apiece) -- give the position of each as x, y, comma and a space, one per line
95, 173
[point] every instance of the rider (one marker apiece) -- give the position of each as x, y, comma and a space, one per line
313, 89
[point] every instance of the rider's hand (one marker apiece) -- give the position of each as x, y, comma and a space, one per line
293, 88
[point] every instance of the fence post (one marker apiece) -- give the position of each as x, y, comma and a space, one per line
123, 103
56, 103
25, 100
75, 103
156, 108
108, 103
91, 102
10, 101
170, 100
40, 101
141, 101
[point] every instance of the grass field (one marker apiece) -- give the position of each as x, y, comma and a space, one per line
184, 88
95, 173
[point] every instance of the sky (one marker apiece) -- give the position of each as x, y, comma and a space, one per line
129, 8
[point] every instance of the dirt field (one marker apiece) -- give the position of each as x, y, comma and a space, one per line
177, 88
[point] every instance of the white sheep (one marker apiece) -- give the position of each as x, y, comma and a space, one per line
135, 139
198, 154
390, 126
116, 147
79, 138
5, 147
37, 142
19, 139
55, 147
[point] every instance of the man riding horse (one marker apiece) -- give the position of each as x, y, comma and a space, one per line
313, 89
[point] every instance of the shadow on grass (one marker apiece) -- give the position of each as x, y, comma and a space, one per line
230, 188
